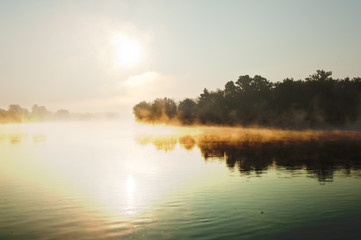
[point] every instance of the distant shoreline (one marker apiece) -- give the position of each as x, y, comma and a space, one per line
18, 114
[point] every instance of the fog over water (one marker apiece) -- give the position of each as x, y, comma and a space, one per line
180, 119
111, 179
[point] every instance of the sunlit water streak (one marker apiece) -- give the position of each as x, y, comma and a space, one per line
124, 180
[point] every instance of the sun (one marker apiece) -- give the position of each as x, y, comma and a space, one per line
128, 51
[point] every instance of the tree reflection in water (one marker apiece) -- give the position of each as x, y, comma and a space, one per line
320, 153
18, 138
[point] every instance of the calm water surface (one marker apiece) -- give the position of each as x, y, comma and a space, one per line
129, 181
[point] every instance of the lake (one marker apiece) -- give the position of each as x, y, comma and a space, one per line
123, 180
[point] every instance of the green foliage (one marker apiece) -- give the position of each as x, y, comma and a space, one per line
319, 101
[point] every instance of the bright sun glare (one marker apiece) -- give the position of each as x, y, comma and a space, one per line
128, 51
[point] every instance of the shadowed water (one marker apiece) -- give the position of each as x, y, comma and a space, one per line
129, 181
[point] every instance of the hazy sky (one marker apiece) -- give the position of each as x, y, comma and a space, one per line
75, 54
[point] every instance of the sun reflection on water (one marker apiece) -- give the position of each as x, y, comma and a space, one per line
130, 185
120, 180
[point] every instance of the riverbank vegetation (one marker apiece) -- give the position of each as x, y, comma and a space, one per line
318, 101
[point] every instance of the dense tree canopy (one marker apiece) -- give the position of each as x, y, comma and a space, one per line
319, 101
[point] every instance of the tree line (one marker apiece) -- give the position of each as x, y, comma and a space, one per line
318, 101
17, 114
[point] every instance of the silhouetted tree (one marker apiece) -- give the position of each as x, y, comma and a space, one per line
319, 101
231, 101
170, 107
143, 111
320, 75
161, 109
210, 107
186, 111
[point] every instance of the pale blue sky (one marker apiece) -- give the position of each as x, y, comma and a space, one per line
61, 53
